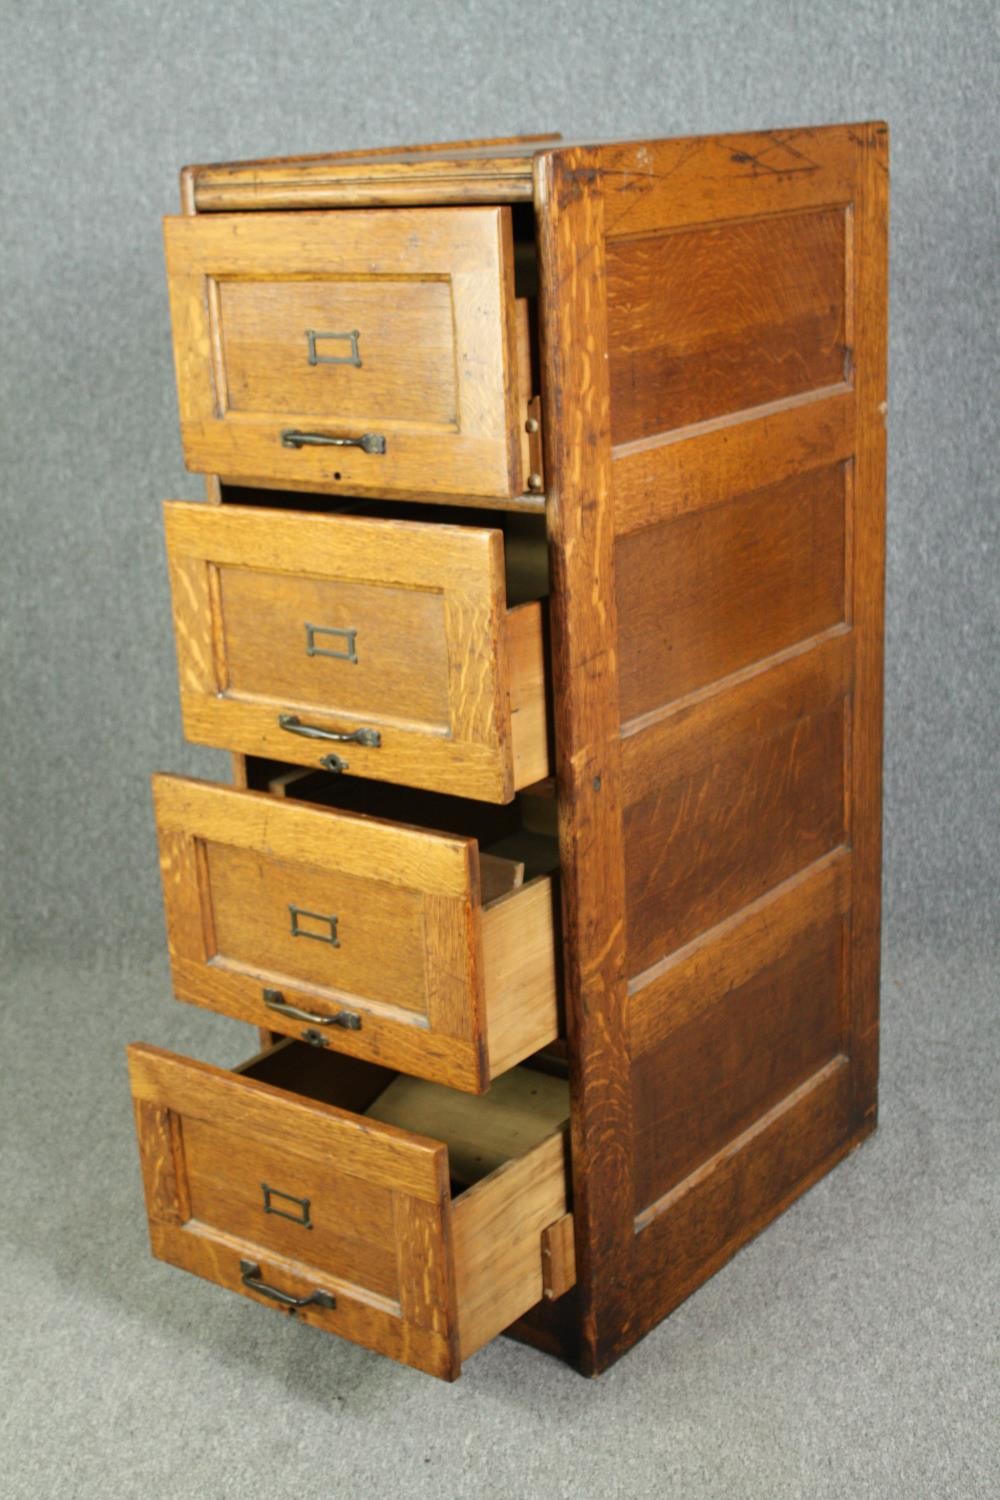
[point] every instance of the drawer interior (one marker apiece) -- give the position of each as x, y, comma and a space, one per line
508, 1170
524, 1107
520, 834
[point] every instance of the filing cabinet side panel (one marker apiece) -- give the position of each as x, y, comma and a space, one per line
714, 334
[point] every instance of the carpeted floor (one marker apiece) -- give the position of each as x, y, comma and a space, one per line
851, 1351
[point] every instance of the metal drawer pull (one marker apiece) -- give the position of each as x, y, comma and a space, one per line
348, 1019
250, 1273
294, 725
371, 442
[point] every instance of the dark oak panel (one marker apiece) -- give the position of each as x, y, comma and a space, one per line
720, 1068
584, 665
706, 593
699, 1226
703, 843
721, 317
739, 341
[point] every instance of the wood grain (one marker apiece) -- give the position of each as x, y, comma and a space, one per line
250, 896
709, 592
522, 1109
692, 468
370, 1219
366, 1186
726, 957
264, 350
530, 730
494, 171
442, 987
440, 384
694, 1230
868, 570
713, 342
304, 1129
558, 1258
520, 978
704, 842
350, 1220
713, 319
721, 281
576, 404
727, 1062
451, 682
498, 1225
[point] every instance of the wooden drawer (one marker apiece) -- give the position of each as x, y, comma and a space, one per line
396, 330
391, 942
385, 644
282, 1180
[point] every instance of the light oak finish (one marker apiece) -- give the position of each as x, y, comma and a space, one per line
519, 1112
558, 1258
433, 370
498, 1227
340, 913
322, 1197
346, 623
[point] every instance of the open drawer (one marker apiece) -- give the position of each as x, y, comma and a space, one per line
393, 942
378, 647
309, 1182
376, 352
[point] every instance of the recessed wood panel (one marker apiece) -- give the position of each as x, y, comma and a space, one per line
296, 631
722, 317
430, 397
706, 593
724, 1064
264, 1181
731, 292
336, 646
270, 364
711, 837
345, 1222
694, 1230
252, 898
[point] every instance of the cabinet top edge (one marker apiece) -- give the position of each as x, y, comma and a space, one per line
447, 172
442, 172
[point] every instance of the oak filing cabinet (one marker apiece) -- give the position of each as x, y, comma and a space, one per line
539, 600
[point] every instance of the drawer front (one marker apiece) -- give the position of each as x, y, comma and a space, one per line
393, 333
386, 645
326, 1212
318, 1204
363, 936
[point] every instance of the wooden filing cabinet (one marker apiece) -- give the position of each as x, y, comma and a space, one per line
538, 596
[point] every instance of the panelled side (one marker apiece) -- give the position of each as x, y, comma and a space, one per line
742, 298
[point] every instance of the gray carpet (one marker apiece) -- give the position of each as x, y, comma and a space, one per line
850, 1351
